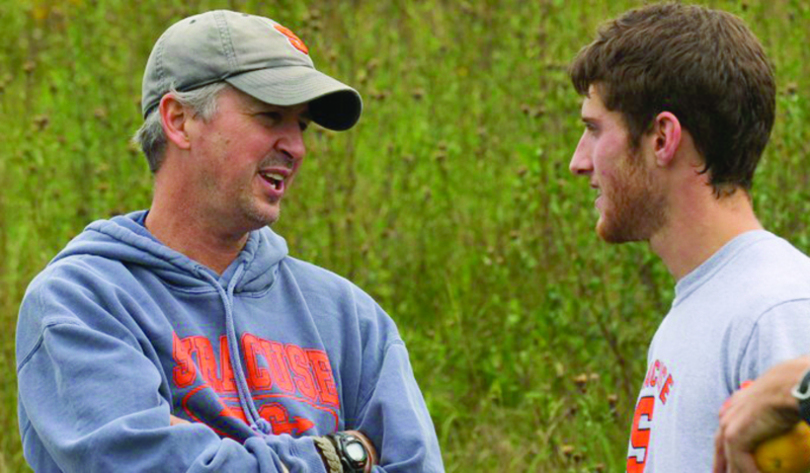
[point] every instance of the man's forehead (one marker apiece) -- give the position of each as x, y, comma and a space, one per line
592, 103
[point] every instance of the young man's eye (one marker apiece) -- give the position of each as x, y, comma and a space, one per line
303, 125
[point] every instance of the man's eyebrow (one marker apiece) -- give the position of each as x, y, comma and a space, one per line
262, 107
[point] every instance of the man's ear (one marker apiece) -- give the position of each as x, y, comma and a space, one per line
175, 119
666, 137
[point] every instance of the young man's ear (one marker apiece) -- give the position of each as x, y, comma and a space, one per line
667, 137
175, 119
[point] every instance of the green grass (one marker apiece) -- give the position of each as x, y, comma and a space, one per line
450, 202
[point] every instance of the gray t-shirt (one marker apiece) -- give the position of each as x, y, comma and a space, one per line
743, 310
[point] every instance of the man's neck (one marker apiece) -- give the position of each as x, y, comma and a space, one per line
193, 238
698, 228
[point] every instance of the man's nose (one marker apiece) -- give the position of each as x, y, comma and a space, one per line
291, 140
580, 162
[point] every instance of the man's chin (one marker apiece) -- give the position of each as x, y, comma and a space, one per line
603, 230
614, 233
261, 218
268, 222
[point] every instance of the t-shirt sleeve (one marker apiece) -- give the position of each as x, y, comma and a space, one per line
779, 334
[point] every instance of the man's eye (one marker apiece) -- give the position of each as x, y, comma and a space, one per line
274, 116
303, 125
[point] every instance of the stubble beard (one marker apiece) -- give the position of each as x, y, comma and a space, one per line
253, 212
637, 208
243, 213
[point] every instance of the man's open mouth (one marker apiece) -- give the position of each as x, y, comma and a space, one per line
277, 180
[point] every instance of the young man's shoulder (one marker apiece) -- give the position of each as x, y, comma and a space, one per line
764, 274
750, 275
773, 263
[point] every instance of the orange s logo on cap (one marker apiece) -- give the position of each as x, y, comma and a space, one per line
294, 40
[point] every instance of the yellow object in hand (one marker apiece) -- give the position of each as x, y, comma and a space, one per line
787, 453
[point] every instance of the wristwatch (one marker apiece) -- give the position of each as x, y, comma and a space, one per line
351, 451
802, 393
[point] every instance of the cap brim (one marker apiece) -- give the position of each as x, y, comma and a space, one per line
332, 104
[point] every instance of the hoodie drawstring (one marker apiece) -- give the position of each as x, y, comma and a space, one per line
245, 400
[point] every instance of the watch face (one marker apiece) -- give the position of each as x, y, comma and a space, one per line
356, 451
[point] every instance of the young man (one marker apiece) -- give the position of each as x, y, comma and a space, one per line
678, 106
769, 407
184, 338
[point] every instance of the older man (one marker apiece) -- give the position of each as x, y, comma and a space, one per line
184, 338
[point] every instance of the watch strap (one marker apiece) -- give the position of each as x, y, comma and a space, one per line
329, 453
802, 393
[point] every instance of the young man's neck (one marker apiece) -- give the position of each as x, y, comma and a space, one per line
698, 228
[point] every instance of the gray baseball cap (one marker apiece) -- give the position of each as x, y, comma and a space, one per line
253, 54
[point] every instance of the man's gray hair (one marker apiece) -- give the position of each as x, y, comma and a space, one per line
150, 136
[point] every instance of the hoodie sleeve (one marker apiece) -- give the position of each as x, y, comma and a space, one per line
392, 410
397, 420
90, 400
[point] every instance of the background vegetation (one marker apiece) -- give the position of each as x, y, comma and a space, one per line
450, 202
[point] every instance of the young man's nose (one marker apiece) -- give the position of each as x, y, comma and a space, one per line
580, 162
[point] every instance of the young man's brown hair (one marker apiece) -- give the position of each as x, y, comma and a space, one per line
705, 66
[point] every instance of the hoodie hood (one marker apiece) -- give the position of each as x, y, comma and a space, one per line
124, 238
